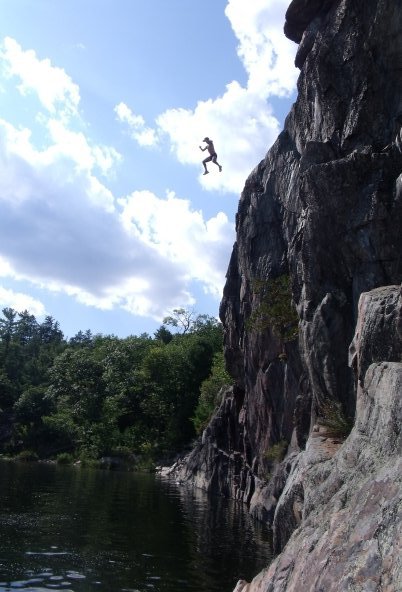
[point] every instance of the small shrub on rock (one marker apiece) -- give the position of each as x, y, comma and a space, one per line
276, 309
27, 456
64, 458
334, 420
277, 452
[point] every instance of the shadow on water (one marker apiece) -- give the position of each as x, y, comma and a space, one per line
82, 530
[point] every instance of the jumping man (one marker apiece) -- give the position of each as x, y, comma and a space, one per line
212, 155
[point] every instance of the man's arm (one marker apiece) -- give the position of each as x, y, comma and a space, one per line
201, 148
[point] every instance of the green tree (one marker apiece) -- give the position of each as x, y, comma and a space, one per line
32, 405
163, 334
276, 309
180, 319
7, 326
82, 339
210, 390
77, 390
173, 374
100, 387
8, 391
26, 328
95, 394
50, 332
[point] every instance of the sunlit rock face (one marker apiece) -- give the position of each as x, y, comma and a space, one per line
324, 209
350, 532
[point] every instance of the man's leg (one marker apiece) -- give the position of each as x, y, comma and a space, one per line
204, 162
216, 162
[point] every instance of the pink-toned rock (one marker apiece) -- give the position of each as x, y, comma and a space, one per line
323, 209
350, 535
242, 586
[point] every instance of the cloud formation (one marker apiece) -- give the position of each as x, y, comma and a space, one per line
145, 136
266, 54
63, 229
241, 120
240, 123
172, 229
20, 302
53, 87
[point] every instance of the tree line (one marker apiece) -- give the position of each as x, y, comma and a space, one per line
95, 395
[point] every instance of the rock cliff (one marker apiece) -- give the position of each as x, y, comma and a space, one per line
319, 226
350, 535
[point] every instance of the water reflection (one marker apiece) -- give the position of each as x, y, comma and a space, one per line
81, 530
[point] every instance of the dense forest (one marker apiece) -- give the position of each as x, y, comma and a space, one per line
90, 396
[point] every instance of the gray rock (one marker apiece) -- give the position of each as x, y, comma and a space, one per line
324, 207
301, 13
349, 536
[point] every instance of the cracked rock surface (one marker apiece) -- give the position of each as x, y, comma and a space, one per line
324, 210
350, 534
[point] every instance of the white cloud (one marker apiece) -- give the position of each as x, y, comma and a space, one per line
75, 146
60, 96
199, 247
145, 136
20, 302
5, 268
266, 53
62, 230
54, 88
68, 158
241, 121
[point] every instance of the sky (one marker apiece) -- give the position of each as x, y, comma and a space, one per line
106, 220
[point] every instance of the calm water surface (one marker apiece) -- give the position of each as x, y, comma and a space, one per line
83, 530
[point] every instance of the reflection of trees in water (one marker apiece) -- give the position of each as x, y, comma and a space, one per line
123, 529
224, 534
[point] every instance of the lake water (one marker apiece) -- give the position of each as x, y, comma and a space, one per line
86, 530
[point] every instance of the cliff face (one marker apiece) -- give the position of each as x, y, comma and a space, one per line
324, 211
350, 535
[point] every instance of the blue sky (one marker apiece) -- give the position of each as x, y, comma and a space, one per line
106, 221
